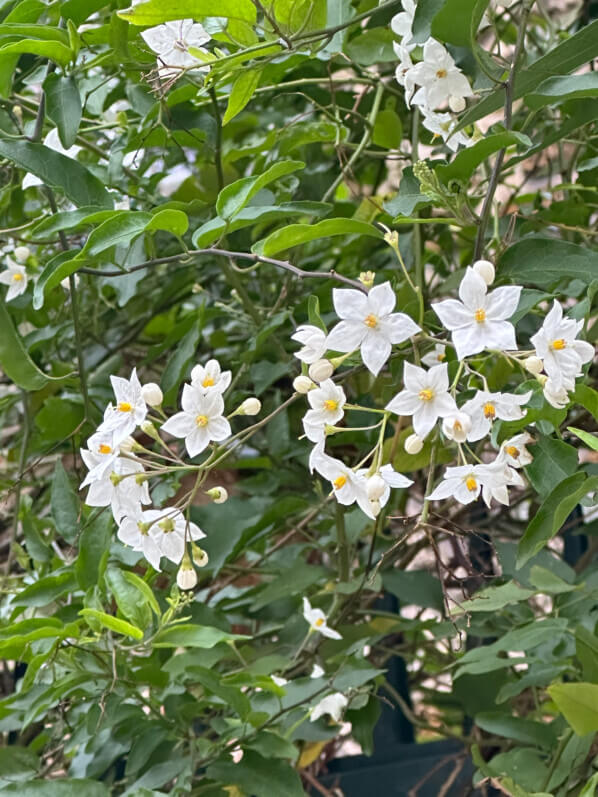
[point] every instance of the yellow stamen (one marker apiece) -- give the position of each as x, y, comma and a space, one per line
558, 344
441, 357
370, 321
339, 482
471, 484
441, 73
457, 427
201, 420
124, 406
330, 405
17, 277
208, 382
489, 411
480, 315
105, 449
426, 394
319, 622
512, 451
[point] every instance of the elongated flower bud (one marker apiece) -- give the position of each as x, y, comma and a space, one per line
186, 578
251, 406
152, 394
486, 270
321, 370
533, 364
302, 384
413, 444
200, 557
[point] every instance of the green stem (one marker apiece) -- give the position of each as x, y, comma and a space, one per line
22, 459
343, 547
557, 757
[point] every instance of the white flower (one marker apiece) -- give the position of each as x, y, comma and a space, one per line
333, 705
15, 277
317, 671
437, 355
317, 621
457, 426
186, 577
302, 384
52, 141
326, 402
279, 680
171, 42
368, 323
388, 477
515, 450
22, 254
129, 411
133, 530
121, 489
314, 343
440, 79
99, 456
402, 70
348, 487
425, 397
402, 23
479, 320
219, 495
485, 407
555, 393
201, 420
486, 270
464, 482
441, 124
210, 378
534, 365
556, 344
496, 477
157, 533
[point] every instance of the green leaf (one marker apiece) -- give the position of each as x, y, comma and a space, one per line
112, 623
236, 195
587, 397
467, 161
94, 546
169, 220
409, 197
545, 261
425, 11
56, 269
553, 461
418, 587
156, 11
54, 51
64, 504
258, 776
58, 418
18, 30
299, 15
63, 104
17, 763
192, 636
242, 90
590, 440
521, 730
452, 23
589, 790
57, 171
493, 599
56, 788
14, 357
552, 514
388, 130
293, 581
122, 228
145, 590
297, 234
373, 46
546, 581
46, 590
556, 90
132, 601
586, 650
564, 58
579, 705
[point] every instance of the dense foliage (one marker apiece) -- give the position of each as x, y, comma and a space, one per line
241, 404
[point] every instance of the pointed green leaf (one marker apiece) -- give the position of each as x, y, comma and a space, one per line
579, 705
63, 104
241, 92
297, 234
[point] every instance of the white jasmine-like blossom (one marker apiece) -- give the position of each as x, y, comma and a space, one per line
440, 79
157, 533
313, 340
479, 320
122, 418
15, 277
437, 355
333, 705
210, 377
442, 124
200, 421
515, 450
99, 456
555, 393
425, 397
317, 621
186, 577
326, 402
389, 478
496, 478
121, 488
557, 345
133, 530
403, 69
171, 42
457, 426
402, 23
317, 671
22, 254
368, 323
465, 482
52, 141
348, 487
486, 407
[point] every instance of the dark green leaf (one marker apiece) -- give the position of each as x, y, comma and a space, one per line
63, 104
467, 161
94, 546
260, 777
409, 197
192, 636
65, 505
297, 234
553, 461
14, 357
235, 196
546, 261
56, 788
556, 90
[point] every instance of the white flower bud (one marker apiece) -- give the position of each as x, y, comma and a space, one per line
375, 506
456, 104
22, 254
251, 406
200, 557
152, 395
413, 444
321, 370
186, 578
302, 384
486, 270
148, 428
218, 494
375, 487
456, 427
534, 365
128, 445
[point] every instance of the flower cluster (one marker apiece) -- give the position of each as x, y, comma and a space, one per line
171, 42
461, 412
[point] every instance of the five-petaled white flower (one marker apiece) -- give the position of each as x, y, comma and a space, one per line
317, 621
442, 124
123, 489
333, 705
99, 456
486, 407
437, 355
479, 320
391, 478
496, 478
200, 421
326, 402
15, 277
440, 79
348, 487
425, 397
465, 482
122, 418
314, 343
134, 531
555, 393
402, 23
209, 377
457, 426
157, 533
368, 323
563, 355
403, 69
171, 42
514, 450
